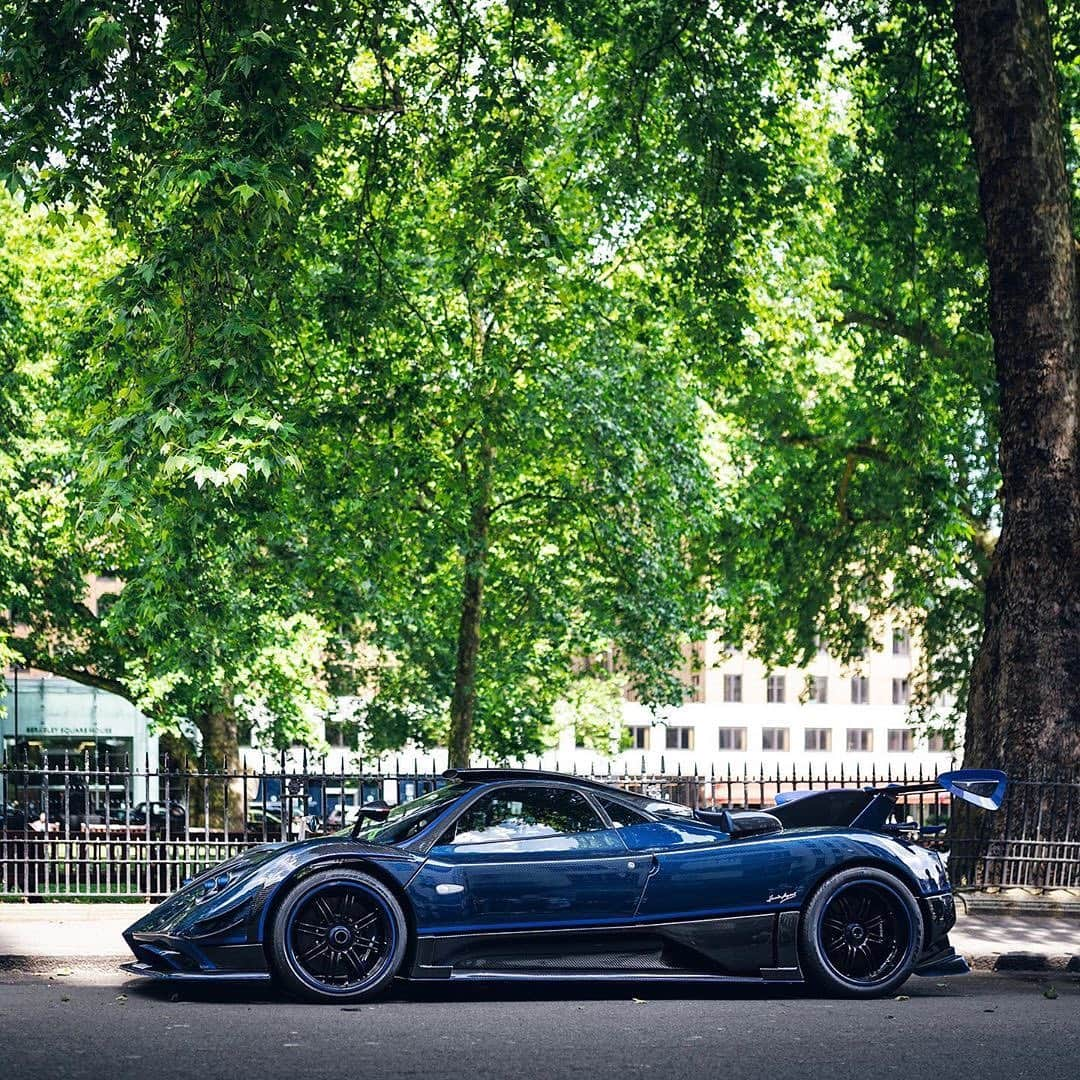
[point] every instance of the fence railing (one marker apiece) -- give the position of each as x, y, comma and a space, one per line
92, 828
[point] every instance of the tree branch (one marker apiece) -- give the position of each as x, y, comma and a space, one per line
842, 489
76, 674
917, 333
530, 496
397, 108
857, 450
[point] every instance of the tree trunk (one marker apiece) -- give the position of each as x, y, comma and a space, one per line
463, 700
221, 754
1024, 708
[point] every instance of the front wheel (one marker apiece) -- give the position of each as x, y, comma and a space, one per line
860, 933
339, 936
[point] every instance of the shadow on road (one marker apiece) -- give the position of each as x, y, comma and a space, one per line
437, 993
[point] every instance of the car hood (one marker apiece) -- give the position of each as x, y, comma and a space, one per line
223, 895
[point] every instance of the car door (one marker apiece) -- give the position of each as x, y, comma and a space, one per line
527, 856
696, 869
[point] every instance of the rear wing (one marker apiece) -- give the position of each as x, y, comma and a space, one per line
872, 807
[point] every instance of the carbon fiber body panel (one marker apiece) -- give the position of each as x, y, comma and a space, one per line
739, 946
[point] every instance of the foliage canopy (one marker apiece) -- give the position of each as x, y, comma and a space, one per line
431, 350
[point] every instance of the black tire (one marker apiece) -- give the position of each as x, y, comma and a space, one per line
860, 934
338, 936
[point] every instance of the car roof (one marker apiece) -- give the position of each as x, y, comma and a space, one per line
646, 803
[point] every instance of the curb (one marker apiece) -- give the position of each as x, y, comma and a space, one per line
1024, 906
1025, 962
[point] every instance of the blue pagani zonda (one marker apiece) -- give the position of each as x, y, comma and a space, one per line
506, 874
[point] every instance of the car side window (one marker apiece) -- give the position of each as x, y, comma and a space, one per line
622, 815
523, 813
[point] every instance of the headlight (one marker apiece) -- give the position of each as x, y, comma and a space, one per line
229, 874
213, 885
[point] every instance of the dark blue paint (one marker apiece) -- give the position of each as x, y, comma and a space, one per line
541, 881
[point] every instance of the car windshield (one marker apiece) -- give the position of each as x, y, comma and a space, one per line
407, 819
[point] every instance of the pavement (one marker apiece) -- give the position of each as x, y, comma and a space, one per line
67, 1010
81, 935
974, 1027
34, 937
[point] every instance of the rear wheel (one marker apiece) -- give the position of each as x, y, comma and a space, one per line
339, 935
860, 933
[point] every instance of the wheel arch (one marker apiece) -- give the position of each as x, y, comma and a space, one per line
345, 862
898, 871
818, 970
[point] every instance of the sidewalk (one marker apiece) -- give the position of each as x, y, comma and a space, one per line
43, 936
1016, 942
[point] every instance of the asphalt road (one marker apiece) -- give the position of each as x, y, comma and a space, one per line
979, 1026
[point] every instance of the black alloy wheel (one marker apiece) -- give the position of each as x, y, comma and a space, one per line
340, 935
861, 933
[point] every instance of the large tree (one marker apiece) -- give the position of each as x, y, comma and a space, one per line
429, 255
383, 264
209, 626
898, 446
1025, 702
159, 384
511, 414
861, 425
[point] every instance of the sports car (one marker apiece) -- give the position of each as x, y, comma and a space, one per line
515, 874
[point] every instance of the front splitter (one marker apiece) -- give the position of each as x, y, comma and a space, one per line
148, 972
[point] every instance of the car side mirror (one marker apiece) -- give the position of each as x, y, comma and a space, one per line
377, 810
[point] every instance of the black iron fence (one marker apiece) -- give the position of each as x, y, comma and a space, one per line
97, 828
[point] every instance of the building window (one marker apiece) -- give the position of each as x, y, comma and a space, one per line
733, 738
775, 739
940, 743
860, 740
818, 738
901, 692
680, 738
901, 643
901, 740
639, 738
696, 692
733, 688
817, 689
774, 689
860, 690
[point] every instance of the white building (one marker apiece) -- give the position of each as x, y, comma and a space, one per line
744, 718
